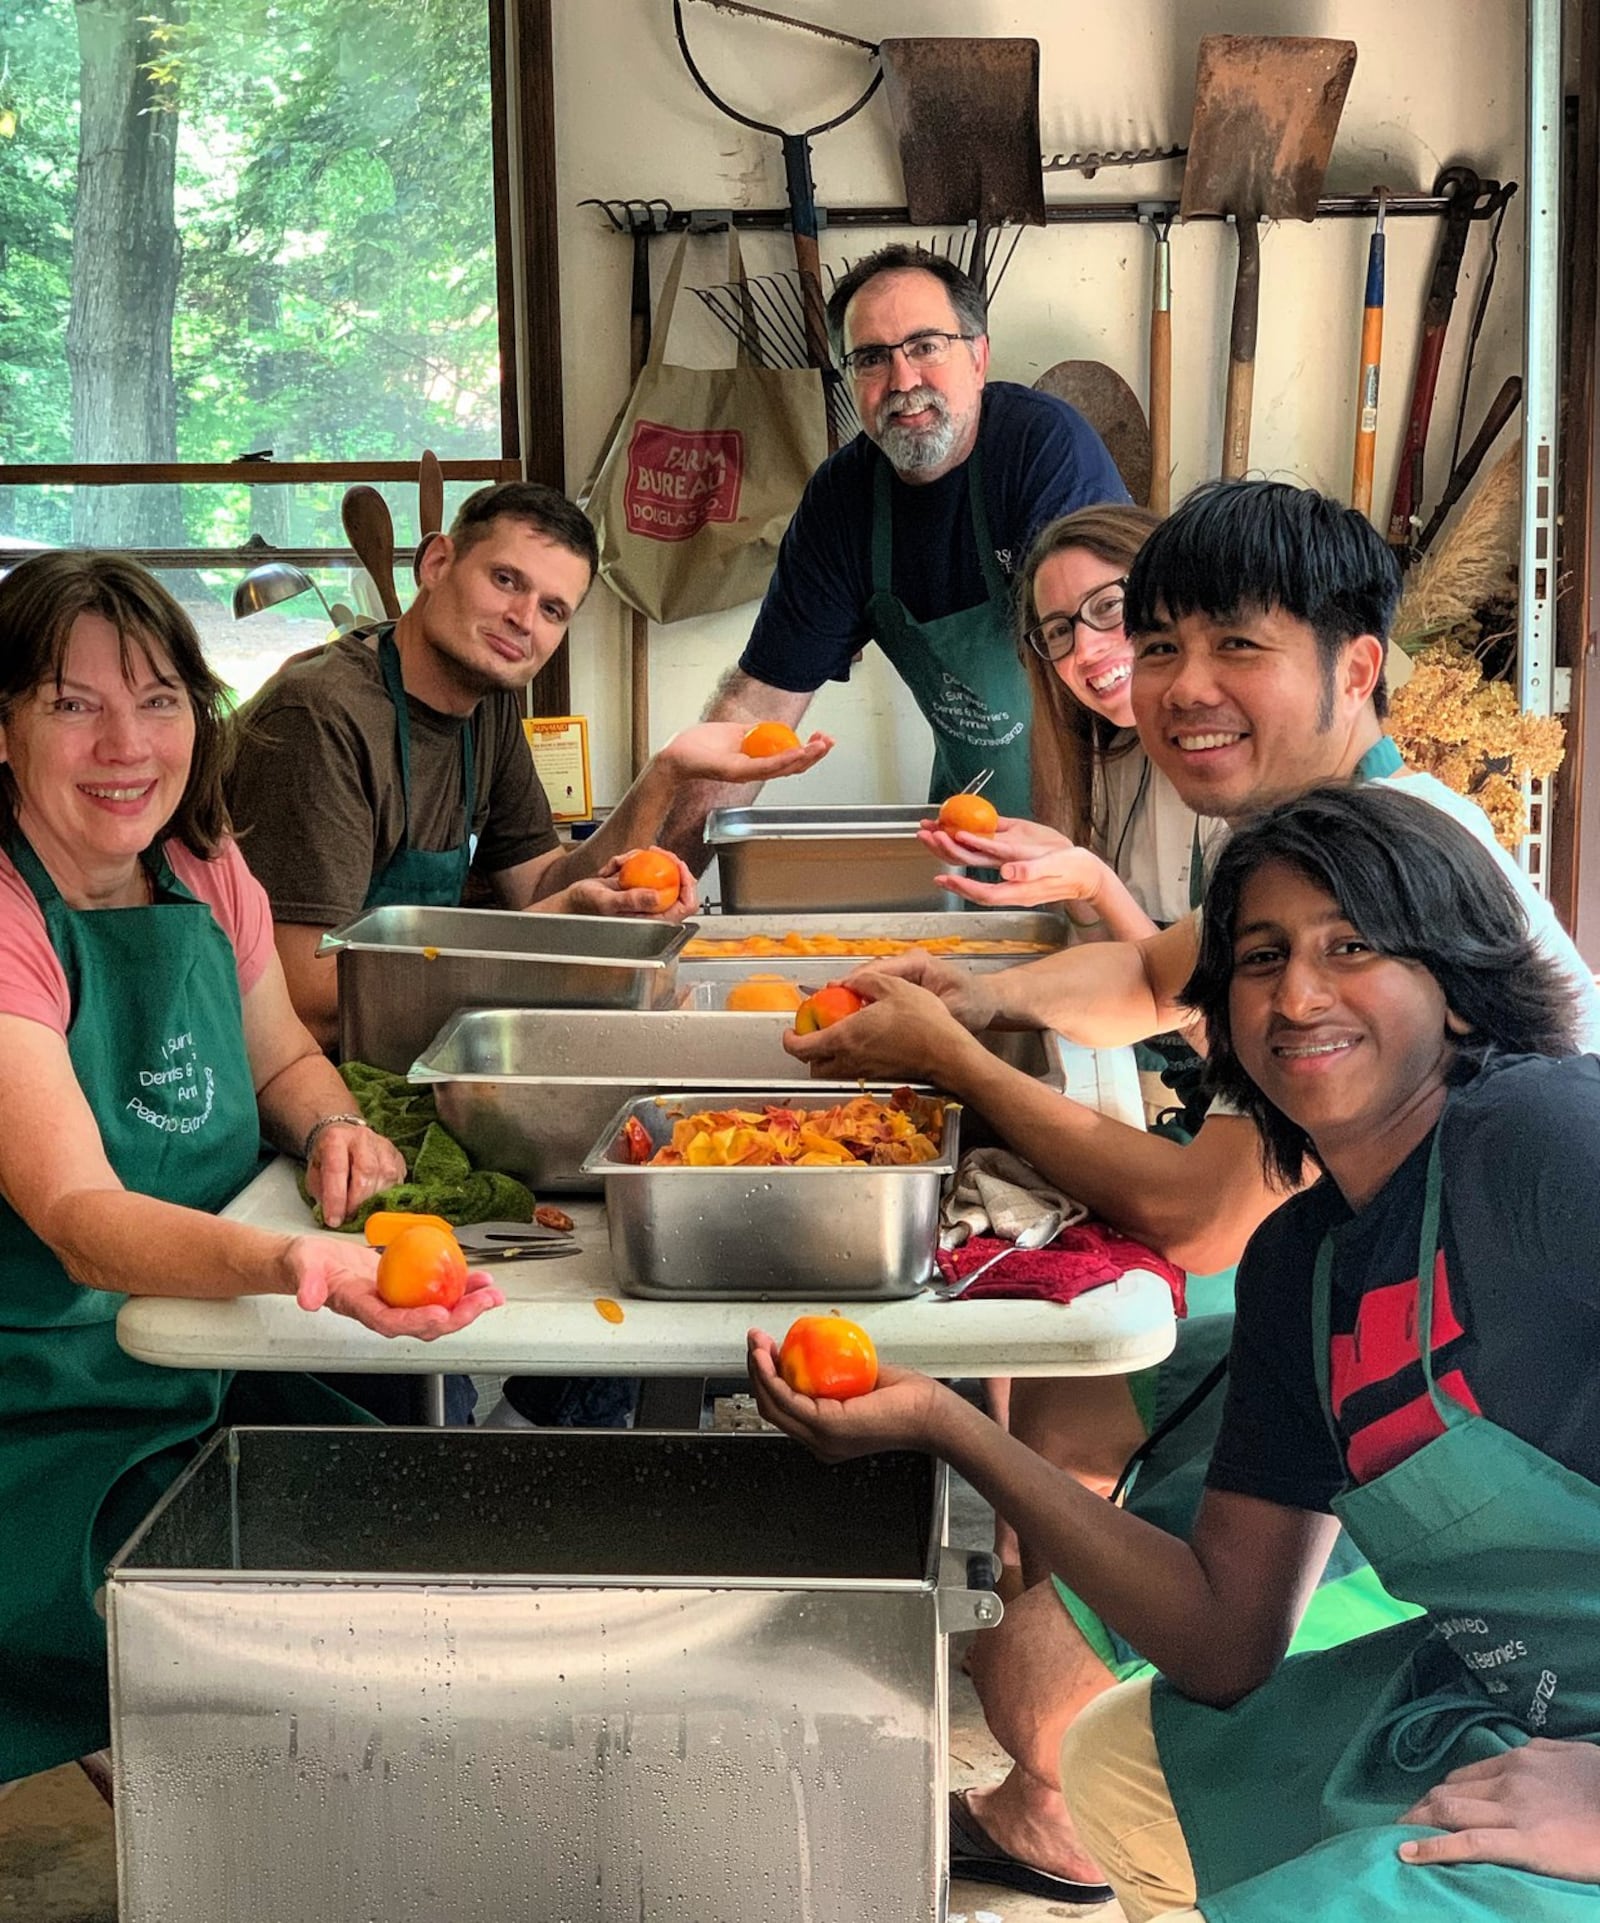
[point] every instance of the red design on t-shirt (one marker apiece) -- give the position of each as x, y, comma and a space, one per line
1382, 1348
680, 478
1403, 1431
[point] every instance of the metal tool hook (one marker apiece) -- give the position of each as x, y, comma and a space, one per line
633, 216
615, 211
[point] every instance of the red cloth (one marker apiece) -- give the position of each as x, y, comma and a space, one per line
1079, 1259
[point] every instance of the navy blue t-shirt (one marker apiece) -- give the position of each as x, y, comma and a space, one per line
1516, 1327
1041, 459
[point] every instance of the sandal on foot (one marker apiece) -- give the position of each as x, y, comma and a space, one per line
978, 1858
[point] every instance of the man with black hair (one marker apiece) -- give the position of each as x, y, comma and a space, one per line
355, 764
1258, 614
391, 766
909, 535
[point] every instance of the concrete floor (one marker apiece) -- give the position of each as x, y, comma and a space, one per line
57, 1853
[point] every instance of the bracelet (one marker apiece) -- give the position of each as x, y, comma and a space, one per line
329, 1121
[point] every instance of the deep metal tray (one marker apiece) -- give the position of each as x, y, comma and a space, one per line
1013, 924
404, 971
816, 860
529, 1090
729, 827
813, 1234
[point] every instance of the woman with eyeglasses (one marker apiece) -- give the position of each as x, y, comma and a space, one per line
147, 1044
1096, 798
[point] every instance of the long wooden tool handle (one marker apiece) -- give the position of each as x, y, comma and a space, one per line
802, 195
1408, 482
1367, 379
1161, 380
430, 508
1242, 350
1462, 184
430, 494
370, 529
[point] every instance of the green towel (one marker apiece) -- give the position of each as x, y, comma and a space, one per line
440, 1178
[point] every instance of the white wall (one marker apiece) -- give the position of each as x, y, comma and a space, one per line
1435, 81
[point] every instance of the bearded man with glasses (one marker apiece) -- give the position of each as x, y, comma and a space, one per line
909, 535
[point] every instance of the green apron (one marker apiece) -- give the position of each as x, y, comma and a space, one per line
92, 1438
420, 877
963, 670
1289, 1800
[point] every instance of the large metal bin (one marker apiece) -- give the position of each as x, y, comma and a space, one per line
577, 1677
403, 971
529, 1090
809, 860
830, 1234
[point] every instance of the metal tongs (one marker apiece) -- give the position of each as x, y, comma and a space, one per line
514, 1242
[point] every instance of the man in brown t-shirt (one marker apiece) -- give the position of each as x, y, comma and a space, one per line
316, 793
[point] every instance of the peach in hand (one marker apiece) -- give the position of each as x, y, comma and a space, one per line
651, 868
968, 815
769, 738
827, 1006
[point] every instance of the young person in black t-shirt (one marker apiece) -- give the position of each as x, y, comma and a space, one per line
1374, 1002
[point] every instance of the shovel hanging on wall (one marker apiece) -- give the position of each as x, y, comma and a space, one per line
1266, 109
966, 116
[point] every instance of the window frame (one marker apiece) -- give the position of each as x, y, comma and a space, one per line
528, 287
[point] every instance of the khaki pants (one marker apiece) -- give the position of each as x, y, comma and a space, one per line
1112, 1779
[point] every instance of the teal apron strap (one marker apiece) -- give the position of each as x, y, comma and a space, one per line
1450, 1412
1321, 1324
393, 681
32, 870
882, 528
994, 580
1380, 761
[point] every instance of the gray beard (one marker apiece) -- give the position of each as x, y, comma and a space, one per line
911, 450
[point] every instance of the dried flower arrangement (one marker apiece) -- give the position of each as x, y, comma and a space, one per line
1457, 718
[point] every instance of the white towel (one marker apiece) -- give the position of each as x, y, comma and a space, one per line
997, 1193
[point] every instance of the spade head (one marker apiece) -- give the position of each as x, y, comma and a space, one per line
966, 116
1266, 109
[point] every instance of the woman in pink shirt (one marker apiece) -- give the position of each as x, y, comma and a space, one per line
147, 1043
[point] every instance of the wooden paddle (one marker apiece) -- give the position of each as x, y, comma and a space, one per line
430, 507
1110, 406
369, 527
